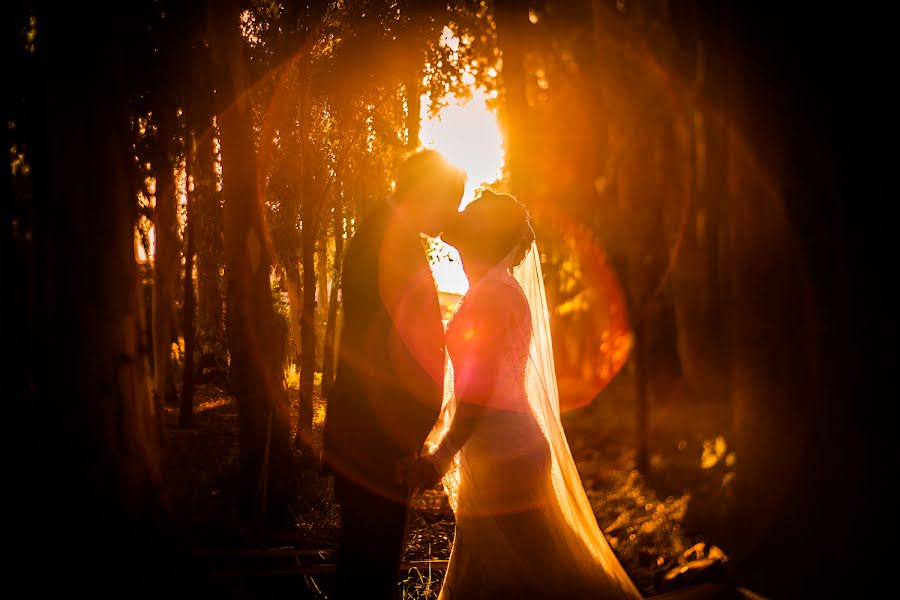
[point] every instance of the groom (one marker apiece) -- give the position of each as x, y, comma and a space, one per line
389, 383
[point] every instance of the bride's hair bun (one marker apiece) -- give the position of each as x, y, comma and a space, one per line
490, 228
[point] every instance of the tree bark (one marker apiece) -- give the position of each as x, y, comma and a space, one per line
328, 353
98, 441
13, 222
512, 19
810, 339
294, 283
307, 325
255, 371
322, 276
309, 210
209, 294
207, 229
165, 262
186, 413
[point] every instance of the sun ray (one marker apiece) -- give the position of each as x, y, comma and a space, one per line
468, 134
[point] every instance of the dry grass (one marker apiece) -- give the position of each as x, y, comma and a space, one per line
652, 525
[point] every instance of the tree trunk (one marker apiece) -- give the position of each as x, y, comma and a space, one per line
294, 285
207, 230
309, 209
165, 262
642, 403
97, 443
709, 182
773, 352
209, 294
307, 326
810, 336
328, 354
321, 291
255, 371
512, 20
187, 389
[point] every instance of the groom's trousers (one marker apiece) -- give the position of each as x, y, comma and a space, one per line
373, 535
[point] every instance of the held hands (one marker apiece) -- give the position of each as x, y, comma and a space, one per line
424, 474
426, 471
419, 473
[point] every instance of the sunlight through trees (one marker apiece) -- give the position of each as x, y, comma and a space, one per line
184, 180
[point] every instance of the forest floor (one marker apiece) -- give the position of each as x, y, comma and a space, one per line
667, 529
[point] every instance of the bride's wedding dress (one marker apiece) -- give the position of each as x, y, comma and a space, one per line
524, 527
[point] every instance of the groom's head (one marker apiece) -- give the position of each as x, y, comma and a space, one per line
429, 189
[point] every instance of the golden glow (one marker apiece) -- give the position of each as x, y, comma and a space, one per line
448, 274
449, 40
211, 404
467, 133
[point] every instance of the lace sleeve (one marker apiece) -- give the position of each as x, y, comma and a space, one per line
494, 339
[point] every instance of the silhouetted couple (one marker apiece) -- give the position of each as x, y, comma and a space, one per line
491, 433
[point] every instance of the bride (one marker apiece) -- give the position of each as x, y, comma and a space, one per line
524, 528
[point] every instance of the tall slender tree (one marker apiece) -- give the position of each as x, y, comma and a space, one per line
167, 250
208, 230
512, 18
95, 408
309, 216
186, 407
255, 371
328, 353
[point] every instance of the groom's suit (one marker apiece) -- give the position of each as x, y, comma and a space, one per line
387, 395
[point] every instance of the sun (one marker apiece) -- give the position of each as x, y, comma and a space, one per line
468, 134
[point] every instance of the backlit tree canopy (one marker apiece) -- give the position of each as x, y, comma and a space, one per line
184, 178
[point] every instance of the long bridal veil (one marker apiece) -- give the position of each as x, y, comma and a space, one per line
568, 492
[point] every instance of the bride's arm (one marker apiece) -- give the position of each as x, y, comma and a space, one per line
465, 421
497, 315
